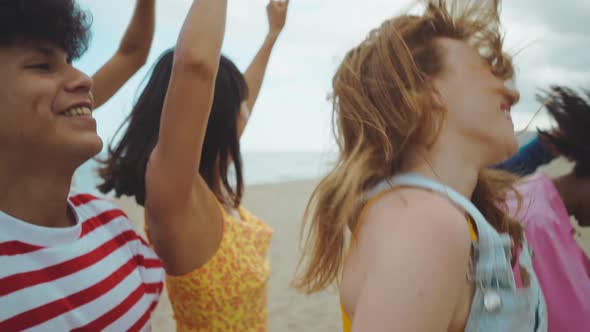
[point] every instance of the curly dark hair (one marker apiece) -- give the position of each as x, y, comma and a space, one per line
57, 22
571, 111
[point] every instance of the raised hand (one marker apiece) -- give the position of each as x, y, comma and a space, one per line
130, 57
174, 188
277, 15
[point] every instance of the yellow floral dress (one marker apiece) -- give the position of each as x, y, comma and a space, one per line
228, 293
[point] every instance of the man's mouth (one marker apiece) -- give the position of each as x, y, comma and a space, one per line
78, 111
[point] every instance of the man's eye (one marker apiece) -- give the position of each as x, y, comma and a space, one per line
40, 66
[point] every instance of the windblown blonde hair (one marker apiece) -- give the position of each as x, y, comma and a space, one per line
384, 102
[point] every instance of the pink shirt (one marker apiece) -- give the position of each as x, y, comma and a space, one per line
562, 267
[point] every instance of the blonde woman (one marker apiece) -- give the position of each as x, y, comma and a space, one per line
422, 109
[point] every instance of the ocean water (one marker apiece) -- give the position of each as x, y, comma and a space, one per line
258, 168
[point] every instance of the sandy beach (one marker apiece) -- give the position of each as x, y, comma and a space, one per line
282, 205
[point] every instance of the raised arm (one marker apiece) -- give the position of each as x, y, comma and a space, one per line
184, 220
190, 94
254, 75
131, 55
528, 158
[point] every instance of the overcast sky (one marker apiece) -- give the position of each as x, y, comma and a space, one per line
292, 112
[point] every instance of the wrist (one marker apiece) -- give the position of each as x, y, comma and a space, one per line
272, 36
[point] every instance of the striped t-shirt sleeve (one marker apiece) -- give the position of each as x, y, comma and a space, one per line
98, 275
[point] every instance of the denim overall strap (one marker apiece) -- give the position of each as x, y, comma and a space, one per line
487, 235
414, 180
518, 310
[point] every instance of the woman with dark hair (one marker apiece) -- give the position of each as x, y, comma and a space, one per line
561, 265
571, 139
124, 171
182, 138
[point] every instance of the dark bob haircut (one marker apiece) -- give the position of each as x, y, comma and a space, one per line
124, 170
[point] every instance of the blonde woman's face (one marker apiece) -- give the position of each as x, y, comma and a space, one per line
477, 102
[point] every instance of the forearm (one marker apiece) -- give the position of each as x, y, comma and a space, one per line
137, 40
201, 37
531, 156
188, 100
131, 55
254, 75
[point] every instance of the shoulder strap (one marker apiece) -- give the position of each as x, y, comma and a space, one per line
415, 180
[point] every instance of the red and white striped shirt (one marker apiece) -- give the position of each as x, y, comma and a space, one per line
98, 275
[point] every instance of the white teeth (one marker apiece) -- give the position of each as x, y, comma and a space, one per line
78, 111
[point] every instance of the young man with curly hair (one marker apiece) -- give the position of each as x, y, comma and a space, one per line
70, 261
